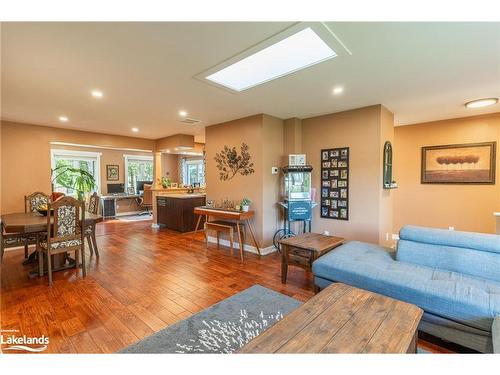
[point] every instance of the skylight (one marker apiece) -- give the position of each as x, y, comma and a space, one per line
289, 55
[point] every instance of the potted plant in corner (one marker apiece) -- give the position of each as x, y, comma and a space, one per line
245, 204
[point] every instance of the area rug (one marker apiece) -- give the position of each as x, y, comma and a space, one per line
222, 328
136, 218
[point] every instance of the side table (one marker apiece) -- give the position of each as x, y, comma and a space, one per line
304, 249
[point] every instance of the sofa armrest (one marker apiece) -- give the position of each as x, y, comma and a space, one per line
495, 333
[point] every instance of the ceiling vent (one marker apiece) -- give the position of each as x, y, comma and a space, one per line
189, 121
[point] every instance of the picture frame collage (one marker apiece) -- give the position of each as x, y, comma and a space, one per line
335, 183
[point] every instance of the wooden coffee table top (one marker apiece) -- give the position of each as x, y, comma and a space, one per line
313, 241
343, 319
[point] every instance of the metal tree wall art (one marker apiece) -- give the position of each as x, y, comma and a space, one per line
229, 163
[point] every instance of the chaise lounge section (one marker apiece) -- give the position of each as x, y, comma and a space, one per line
453, 276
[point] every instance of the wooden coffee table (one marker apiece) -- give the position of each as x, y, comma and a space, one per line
343, 319
304, 249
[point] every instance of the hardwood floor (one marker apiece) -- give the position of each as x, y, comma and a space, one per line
144, 280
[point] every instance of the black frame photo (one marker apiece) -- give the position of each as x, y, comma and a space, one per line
335, 183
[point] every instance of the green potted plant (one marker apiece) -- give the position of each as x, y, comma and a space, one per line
77, 179
165, 182
245, 204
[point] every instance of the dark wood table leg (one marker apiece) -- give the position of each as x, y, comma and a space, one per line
94, 241
238, 229
197, 225
284, 263
253, 237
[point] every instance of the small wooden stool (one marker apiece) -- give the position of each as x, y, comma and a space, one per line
228, 227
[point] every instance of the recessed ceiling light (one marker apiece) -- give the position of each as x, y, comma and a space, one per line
338, 90
63, 119
478, 103
97, 93
183, 113
135, 130
296, 52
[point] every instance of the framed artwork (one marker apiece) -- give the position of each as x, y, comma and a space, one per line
472, 163
113, 172
335, 183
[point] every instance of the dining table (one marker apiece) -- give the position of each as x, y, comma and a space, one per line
34, 223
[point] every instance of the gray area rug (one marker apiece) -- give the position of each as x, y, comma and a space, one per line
222, 328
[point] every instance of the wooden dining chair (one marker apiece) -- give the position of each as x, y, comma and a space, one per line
9, 240
93, 208
35, 200
65, 233
32, 203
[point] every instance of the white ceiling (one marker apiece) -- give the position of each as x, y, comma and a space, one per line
420, 71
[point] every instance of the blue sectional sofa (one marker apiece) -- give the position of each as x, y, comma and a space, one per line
453, 276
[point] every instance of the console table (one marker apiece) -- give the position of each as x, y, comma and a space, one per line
225, 214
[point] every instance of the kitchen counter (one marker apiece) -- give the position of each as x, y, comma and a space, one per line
182, 195
176, 211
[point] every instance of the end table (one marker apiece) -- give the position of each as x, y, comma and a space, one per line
304, 249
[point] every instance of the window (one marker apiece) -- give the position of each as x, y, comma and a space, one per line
137, 168
194, 172
296, 52
87, 161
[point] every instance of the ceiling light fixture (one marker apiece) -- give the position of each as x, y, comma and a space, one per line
183, 113
63, 119
135, 130
298, 51
338, 90
478, 103
97, 93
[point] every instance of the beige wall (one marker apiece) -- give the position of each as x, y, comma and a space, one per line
272, 156
292, 137
465, 207
170, 167
386, 195
26, 157
361, 131
233, 133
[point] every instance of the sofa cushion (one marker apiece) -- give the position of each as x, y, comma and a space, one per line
464, 299
469, 240
474, 254
471, 262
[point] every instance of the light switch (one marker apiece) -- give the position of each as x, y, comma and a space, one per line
274, 170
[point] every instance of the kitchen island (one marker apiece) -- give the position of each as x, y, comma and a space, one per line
176, 211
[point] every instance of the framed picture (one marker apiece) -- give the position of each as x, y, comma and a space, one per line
335, 183
174, 185
113, 172
472, 163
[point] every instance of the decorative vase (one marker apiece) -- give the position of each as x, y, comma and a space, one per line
245, 208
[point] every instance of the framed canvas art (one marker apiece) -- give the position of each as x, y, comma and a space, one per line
113, 172
472, 163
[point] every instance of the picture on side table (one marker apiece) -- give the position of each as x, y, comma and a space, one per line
459, 164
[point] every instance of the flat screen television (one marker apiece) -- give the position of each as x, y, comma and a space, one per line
116, 188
